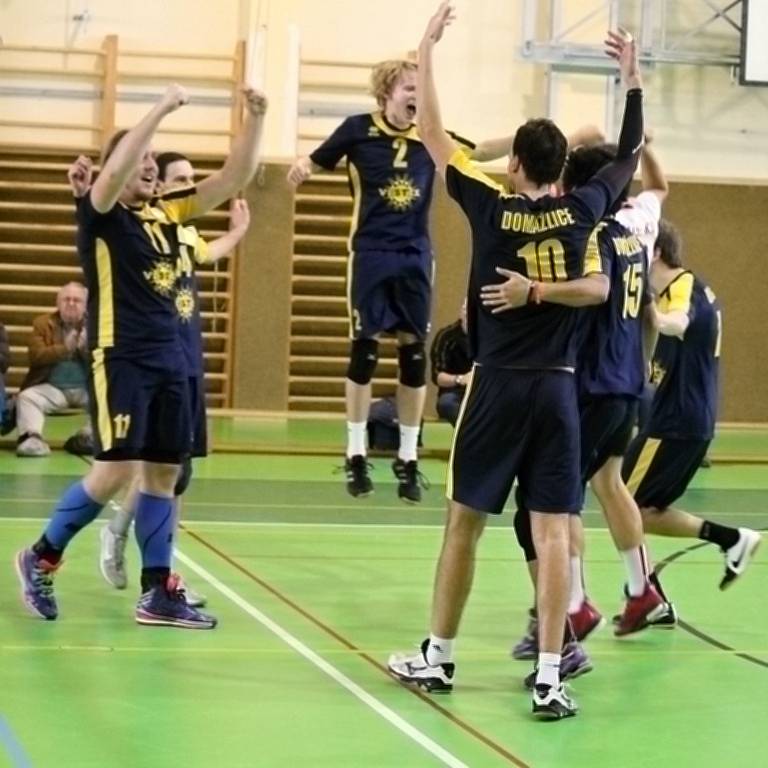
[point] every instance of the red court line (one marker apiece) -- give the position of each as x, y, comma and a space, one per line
488, 742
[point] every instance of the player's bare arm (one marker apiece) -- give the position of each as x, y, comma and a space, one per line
302, 170
673, 323
80, 175
239, 219
492, 149
131, 148
654, 179
242, 161
517, 290
430, 124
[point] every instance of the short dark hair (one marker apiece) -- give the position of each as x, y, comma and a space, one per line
669, 243
114, 140
540, 146
584, 162
164, 159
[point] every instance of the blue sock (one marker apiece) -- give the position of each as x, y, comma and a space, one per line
154, 530
75, 510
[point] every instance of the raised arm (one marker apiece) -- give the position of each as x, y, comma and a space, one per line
428, 120
239, 219
654, 179
243, 159
130, 149
492, 149
79, 175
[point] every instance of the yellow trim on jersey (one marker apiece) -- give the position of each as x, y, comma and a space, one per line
381, 124
592, 262
676, 297
103, 419
202, 254
462, 408
644, 460
466, 167
180, 205
105, 328
350, 308
357, 196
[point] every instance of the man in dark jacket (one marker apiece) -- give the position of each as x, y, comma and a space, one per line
56, 379
451, 365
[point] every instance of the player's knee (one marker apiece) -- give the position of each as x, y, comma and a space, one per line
185, 476
524, 534
363, 356
412, 361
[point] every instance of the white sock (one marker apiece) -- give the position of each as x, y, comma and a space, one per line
548, 669
356, 438
439, 650
637, 575
409, 440
121, 521
576, 597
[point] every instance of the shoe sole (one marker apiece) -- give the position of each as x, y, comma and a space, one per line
28, 604
648, 620
726, 581
437, 687
103, 569
148, 620
545, 714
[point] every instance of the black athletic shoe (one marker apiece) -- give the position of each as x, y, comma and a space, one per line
358, 482
410, 480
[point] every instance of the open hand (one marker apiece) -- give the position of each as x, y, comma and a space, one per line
621, 46
510, 294
444, 16
239, 215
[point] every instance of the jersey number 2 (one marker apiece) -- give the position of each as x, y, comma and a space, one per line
401, 147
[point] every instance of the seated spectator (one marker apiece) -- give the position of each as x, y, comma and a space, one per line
58, 354
451, 365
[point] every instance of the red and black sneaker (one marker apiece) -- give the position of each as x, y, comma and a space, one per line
640, 612
586, 620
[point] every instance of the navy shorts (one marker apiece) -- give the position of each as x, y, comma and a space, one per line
196, 386
389, 291
657, 471
140, 408
517, 424
607, 422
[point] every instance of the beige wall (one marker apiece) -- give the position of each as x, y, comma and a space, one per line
706, 124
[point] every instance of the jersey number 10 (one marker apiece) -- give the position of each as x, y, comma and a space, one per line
544, 261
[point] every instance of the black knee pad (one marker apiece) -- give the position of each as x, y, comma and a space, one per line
524, 534
412, 360
363, 356
185, 475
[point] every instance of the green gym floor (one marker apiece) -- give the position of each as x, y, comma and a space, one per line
314, 589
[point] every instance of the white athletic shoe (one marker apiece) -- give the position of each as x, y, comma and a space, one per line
413, 669
738, 557
551, 703
112, 558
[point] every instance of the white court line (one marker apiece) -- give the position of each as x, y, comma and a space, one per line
380, 709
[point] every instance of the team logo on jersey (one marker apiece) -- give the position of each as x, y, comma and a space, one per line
185, 304
373, 131
657, 373
400, 193
162, 277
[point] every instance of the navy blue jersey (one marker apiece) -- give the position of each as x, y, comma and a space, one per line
611, 360
685, 369
138, 271
391, 176
548, 239
190, 328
